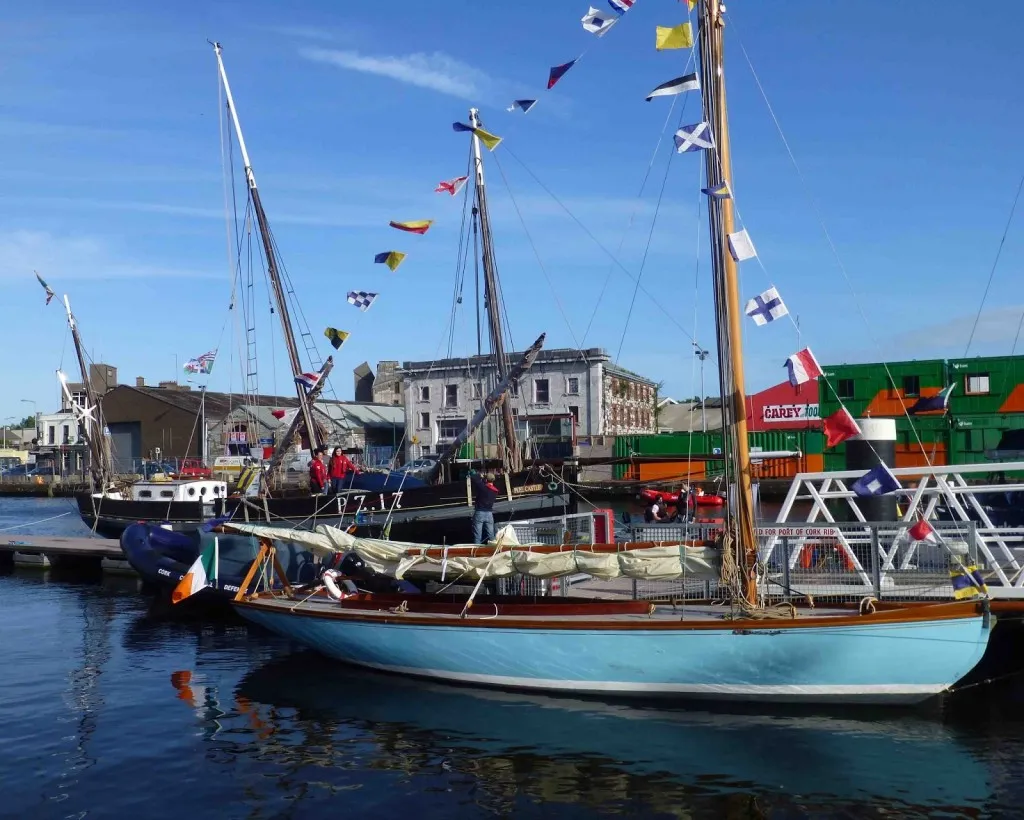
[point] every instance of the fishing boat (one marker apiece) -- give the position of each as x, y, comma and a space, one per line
747, 649
435, 510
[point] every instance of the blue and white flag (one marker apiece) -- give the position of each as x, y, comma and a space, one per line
696, 137
766, 308
719, 191
361, 299
522, 105
621, 6
878, 480
598, 22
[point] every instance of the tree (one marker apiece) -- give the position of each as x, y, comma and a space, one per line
28, 421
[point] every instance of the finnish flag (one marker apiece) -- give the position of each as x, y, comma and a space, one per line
766, 308
879, 480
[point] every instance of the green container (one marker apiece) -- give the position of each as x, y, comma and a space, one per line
467, 450
875, 386
983, 384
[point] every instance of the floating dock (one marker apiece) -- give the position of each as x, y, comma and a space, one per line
45, 551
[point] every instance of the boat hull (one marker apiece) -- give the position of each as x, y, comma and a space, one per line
865, 661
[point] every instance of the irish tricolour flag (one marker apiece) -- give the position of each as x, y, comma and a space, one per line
197, 578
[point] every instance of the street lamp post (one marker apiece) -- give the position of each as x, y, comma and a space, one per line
35, 413
6, 427
702, 354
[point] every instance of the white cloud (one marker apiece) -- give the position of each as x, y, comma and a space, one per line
438, 71
78, 257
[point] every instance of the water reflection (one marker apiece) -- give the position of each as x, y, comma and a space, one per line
301, 712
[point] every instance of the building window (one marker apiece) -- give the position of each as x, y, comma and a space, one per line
425, 393
574, 411
451, 395
450, 429
515, 412
67, 434
51, 433
541, 391
426, 449
424, 421
912, 386
572, 386
513, 389
976, 383
844, 388
478, 390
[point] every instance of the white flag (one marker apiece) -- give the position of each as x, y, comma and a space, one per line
598, 22
766, 308
740, 246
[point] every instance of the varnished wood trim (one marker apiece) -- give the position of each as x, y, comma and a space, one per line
893, 617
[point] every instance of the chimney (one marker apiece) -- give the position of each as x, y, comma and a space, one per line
140, 381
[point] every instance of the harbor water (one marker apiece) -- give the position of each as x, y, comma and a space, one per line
111, 706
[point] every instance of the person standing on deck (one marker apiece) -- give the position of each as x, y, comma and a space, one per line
338, 469
317, 473
484, 495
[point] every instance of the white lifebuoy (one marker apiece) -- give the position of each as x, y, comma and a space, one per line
333, 589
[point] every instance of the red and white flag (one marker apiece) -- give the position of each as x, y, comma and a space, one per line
839, 427
923, 531
802, 367
452, 186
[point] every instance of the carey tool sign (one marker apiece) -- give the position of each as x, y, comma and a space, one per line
789, 412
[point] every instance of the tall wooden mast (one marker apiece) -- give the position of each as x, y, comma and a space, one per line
511, 456
727, 298
280, 298
101, 465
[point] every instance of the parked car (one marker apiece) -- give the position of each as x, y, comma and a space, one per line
194, 468
152, 468
42, 470
421, 467
17, 470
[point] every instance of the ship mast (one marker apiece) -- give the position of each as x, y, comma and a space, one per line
280, 297
101, 465
511, 457
727, 299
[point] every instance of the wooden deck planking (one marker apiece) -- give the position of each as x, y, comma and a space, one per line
60, 545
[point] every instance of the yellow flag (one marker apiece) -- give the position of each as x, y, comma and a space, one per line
680, 36
690, 4
487, 138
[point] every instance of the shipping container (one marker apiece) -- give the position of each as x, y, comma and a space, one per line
877, 389
986, 384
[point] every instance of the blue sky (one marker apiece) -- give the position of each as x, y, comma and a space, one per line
904, 119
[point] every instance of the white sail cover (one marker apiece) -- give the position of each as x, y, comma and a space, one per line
400, 559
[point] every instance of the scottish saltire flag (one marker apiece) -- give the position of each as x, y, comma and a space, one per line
719, 191
420, 226
197, 578
766, 308
452, 186
522, 105
556, 73
669, 37
967, 582
361, 299
741, 246
49, 291
696, 137
928, 404
879, 480
390, 258
676, 86
802, 367
923, 531
621, 6
336, 336
839, 427
308, 380
598, 22
201, 364
488, 139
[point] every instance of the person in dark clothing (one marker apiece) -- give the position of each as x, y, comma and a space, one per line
338, 469
317, 473
653, 513
484, 495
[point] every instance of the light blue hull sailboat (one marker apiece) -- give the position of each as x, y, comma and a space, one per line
897, 656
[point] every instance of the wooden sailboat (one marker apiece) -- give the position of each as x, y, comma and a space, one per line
435, 511
743, 651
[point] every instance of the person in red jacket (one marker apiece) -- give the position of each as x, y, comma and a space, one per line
338, 469
317, 473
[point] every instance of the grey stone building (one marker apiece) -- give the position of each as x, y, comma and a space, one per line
566, 393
